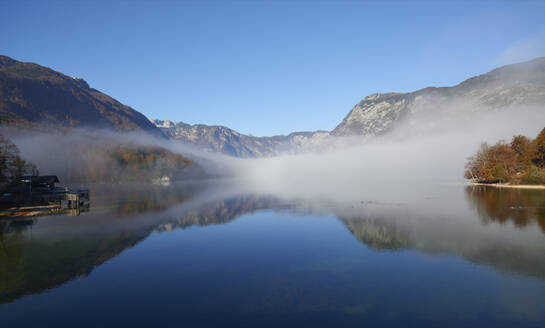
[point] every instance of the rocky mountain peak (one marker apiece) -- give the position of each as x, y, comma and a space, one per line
504, 87
163, 123
217, 138
81, 82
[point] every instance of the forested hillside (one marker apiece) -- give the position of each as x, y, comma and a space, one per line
34, 96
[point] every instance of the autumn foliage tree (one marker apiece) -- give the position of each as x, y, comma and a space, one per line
520, 161
476, 167
523, 148
539, 153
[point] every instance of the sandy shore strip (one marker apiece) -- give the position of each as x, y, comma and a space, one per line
504, 185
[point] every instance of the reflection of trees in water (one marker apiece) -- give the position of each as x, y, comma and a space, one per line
522, 207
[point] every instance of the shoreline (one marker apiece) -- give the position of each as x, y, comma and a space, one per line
504, 185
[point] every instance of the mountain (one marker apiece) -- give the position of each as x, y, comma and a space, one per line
504, 87
32, 96
230, 142
35, 96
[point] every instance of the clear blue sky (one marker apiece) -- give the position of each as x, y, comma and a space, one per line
268, 67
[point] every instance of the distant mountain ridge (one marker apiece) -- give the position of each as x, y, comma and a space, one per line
380, 113
230, 142
504, 87
35, 96
32, 95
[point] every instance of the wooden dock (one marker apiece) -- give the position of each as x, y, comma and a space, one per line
70, 203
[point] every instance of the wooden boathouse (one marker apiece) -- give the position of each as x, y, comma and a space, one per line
39, 195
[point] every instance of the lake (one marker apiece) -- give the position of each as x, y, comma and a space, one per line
214, 254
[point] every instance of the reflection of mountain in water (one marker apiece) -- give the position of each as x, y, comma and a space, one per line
36, 255
220, 212
488, 249
478, 241
378, 234
30, 264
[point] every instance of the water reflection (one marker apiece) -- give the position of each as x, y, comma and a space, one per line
222, 211
33, 259
378, 233
39, 254
522, 207
131, 199
452, 227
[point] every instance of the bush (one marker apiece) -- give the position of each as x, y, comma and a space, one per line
534, 176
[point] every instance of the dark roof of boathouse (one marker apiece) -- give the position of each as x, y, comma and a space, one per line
42, 179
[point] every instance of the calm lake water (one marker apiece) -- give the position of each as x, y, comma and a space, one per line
214, 255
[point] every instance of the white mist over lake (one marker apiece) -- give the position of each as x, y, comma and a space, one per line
413, 156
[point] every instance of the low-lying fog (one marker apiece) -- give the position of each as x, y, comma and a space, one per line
394, 167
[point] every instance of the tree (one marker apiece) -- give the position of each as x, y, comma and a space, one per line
502, 162
492, 163
539, 154
520, 161
12, 166
523, 148
475, 167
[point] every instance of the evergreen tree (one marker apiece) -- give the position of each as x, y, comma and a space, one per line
12, 166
